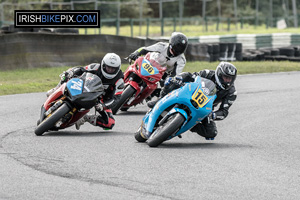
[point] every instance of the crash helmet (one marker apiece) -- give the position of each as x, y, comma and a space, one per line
225, 75
110, 65
177, 44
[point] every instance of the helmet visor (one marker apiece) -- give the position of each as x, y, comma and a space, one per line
110, 70
227, 79
175, 50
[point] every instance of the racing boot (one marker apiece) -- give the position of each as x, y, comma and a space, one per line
92, 119
152, 103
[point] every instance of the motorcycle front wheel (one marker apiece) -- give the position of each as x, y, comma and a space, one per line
50, 121
138, 137
171, 126
125, 96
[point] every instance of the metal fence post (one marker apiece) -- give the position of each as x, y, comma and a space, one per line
228, 24
118, 19
218, 22
100, 27
295, 14
131, 27
2, 14
162, 27
117, 26
242, 22
174, 23
148, 22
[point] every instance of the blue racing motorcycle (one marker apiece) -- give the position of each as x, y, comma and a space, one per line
177, 112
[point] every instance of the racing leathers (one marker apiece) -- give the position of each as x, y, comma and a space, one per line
175, 64
207, 128
112, 90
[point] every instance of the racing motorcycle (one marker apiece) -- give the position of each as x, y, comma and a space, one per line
141, 79
177, 112
70, 102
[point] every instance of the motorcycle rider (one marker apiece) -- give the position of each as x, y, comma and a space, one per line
112, 79
224, 77
171, 53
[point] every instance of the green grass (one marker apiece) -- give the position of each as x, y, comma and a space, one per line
43, 79
248, 67
189, 30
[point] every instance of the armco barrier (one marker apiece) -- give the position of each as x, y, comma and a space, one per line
29, 50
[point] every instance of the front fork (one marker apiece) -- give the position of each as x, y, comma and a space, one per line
47, 113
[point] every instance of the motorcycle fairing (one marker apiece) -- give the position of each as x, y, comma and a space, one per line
182, 95
148, 69
75, 86
54, 96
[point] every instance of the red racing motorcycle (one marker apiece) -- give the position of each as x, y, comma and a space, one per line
141, 80
70, 102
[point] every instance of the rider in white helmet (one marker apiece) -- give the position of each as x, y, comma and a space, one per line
112, 78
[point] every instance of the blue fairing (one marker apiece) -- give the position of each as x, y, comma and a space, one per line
182, 95
75, 86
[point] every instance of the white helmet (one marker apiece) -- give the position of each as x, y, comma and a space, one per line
110, 65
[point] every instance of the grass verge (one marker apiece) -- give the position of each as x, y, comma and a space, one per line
188, 30
43, 79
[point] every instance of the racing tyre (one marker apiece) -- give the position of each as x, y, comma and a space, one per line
171, 126
124, 109
138, 136
49, 122
125, 96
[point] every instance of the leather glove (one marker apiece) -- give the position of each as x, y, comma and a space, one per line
212, 116
168, 81
65, 76
99, 107
134, 55
178, 80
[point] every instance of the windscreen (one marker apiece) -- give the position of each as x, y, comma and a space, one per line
92, 83
208, 87
156, 57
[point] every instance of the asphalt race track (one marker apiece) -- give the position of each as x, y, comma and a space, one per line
255, 156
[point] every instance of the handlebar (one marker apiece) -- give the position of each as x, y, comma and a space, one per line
128, 59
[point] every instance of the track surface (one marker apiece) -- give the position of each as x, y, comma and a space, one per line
255, 156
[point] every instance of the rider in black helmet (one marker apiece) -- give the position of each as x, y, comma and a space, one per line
177, 44
172, 54
224, 77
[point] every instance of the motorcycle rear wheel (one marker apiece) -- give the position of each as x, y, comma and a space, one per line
125, 96
49, 122
172, 125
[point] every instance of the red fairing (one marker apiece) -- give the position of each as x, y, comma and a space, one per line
135, 86
75, 118
55, 96
143, 93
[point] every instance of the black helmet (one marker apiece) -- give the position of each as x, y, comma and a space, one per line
177, 44
225, 75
